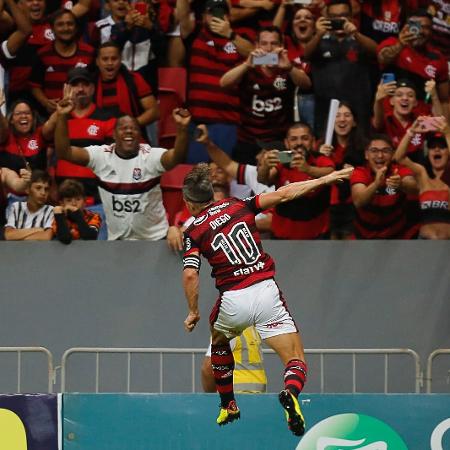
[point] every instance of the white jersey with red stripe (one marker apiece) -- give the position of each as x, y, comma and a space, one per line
130, 191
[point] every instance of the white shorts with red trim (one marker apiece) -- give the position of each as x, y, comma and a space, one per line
260, 305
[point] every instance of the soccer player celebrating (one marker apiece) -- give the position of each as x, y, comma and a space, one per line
224, 232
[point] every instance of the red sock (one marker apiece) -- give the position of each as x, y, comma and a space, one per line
295, 376
222, 362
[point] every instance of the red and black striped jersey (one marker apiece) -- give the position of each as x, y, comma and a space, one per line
307, 217
266, 105
94, 128
19, 68
19, 150
116, 95
50, 68
385, 216
211, 57
225, 234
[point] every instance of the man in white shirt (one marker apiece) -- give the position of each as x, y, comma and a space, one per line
128, 173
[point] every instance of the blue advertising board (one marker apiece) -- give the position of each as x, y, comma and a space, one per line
29, 422
187, 421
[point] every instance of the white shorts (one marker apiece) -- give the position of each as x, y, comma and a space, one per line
260, 305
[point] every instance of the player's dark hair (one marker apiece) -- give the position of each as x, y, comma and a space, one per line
197, 187
40, 176
70, 189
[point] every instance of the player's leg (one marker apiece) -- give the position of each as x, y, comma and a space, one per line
277, 328
222, 363
290, 349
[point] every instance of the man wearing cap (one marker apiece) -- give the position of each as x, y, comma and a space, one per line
215, 50
412, 55
394, 111
87, 125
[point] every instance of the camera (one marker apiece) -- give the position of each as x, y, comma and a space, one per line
285, 157
269, 59
414, 26
337, 24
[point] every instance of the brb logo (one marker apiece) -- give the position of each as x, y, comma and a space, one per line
352, 432
128, 205
260, 107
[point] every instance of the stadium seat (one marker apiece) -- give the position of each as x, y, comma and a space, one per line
171, 94
171, 184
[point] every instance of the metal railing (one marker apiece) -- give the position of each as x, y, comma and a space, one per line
20, 351
431, 357
354, 352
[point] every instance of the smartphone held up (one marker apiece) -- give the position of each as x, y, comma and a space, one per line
269, 59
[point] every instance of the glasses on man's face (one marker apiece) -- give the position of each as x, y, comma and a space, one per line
384, 150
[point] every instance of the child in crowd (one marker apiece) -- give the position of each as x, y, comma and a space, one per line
72, 221
32, 219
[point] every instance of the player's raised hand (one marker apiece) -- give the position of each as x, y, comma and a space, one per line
191, 320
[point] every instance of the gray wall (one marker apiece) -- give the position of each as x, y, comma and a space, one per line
129, 294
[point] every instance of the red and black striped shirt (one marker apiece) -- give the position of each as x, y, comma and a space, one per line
385, 216
211, 57
225, 234
50, 68
19, 68
94, 128
19, 150
307, 217
266, 105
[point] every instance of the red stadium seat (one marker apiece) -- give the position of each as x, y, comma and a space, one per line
171, 94
171, 184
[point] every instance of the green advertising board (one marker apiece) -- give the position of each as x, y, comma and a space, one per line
187, 421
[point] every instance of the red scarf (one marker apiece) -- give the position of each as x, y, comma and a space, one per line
123, 95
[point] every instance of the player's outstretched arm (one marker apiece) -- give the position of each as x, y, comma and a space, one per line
294, 190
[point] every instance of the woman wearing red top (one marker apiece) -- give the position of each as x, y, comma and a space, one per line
299, 30
433, 192
23, 144
347, 149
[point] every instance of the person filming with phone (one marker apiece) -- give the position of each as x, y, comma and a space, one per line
340, 55
434, 194
307, 217
412, 56
266, 82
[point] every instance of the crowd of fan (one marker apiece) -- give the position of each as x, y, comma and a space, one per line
260, 78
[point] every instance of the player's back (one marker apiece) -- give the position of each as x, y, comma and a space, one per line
225, 233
